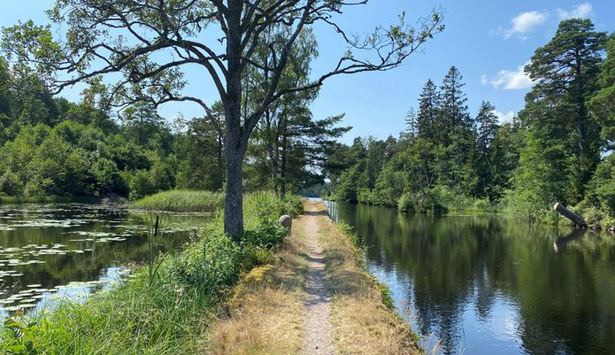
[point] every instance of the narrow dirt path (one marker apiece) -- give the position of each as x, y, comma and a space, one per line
318, 300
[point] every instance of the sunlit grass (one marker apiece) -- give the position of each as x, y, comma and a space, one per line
182, 201
166, 312
362, 312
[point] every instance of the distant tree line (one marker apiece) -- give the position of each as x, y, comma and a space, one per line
50, 146
558, 148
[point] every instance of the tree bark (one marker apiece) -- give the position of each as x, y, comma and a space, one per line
234, 149
283, 164
233, 199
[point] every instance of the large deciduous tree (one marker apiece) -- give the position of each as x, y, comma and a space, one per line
150, 43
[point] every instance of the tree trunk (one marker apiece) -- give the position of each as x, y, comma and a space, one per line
283, 163
570, 215
234, 149
233, 199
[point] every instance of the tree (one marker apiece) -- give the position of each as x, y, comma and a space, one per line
565, 74
201, 154
428, 119
454, 108
457, 127
487, 123
602, 103
150, 42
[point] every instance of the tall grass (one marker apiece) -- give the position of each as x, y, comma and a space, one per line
168, 316
182, 201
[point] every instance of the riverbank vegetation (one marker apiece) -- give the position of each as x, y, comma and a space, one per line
267, 313
362, 312
182, 201
167, 313
557, 149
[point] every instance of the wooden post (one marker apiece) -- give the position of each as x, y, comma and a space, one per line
570, 215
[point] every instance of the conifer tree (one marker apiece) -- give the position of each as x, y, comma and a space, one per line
562, 138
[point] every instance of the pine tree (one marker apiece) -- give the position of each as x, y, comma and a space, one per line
459, 135
487, 123
556, 116
602, 104
454, 107
428, 123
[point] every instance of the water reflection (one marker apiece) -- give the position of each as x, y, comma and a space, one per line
489, 284
73, 249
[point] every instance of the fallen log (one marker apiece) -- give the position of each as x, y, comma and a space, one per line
570, 215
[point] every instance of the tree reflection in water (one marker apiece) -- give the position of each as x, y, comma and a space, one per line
491, 283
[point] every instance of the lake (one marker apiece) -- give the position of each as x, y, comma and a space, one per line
53, 251
492, 284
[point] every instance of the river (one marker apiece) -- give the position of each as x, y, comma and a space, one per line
490, 284
59, 251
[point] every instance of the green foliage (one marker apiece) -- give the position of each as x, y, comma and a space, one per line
141, 183
601, 104
159, 311
444, 160
561, 139
406, 203
182, 201
266, 235
208, 265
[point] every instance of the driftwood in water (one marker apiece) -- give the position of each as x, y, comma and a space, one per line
570, 215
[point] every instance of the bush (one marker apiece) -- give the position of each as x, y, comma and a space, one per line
267, 235
405, 203
140, 183
209, 265
108, 178
482, 204
267, 206
10, 184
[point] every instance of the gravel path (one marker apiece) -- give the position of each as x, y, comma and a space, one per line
317, 326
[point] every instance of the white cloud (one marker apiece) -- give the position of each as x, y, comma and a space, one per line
583, 10
509, 79
504, 117
523, 23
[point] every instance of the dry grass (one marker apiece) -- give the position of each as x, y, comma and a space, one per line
267, 313
361, 321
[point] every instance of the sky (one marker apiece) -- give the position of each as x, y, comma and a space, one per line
489, 41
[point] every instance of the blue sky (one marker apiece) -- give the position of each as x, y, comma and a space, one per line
489, 41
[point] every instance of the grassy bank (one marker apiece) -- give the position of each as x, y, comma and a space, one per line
163, 309
182, 201
363, 315
267, 314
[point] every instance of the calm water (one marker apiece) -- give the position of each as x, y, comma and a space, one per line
48, 251
490, 284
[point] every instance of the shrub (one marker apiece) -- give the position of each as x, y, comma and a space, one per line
108, 177
405, 203
140, 184
482, 204
266, 235
209, 265
10, 184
